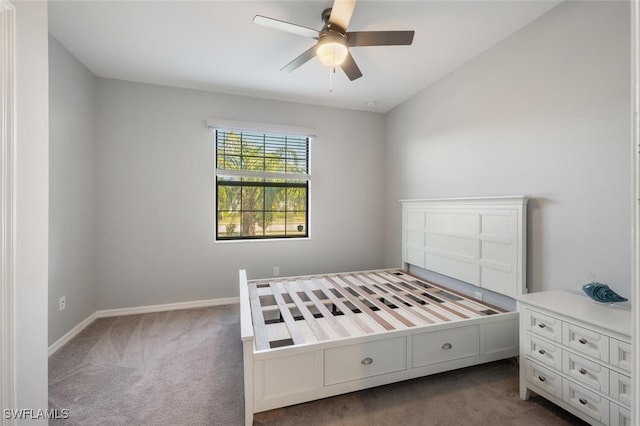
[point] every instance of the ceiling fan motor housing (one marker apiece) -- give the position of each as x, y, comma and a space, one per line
326, 14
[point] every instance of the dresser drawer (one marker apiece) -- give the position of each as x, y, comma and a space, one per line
355, 362
619, 416
543, 325
620, 388
543, 352
586, 341
586, 401
588, 373
543, 378
620, 354
446, 345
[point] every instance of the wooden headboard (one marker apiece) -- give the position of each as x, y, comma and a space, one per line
481, 240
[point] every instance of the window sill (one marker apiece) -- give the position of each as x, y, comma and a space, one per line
262, 240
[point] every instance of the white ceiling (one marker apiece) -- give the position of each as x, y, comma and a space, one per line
214, 46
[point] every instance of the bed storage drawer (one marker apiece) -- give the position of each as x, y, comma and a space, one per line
353, 362
445, 345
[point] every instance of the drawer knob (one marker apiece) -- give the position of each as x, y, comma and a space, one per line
542, 325
583, 401
447, 346
582, 340
542, 378
583, 371
366, 361
542, 351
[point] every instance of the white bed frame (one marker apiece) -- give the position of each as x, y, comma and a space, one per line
481, 241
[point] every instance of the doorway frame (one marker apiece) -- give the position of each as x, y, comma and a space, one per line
7, 207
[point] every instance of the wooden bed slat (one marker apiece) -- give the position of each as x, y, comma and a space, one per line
469, 300
296, 334
404, 297
414, 281
363, 308
470, 312
432, 307
308, 316
400, 300
375, 299
324, 311
343, 308
419, 291
370, 311
260, 331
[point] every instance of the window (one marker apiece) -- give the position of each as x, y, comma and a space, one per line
262, 185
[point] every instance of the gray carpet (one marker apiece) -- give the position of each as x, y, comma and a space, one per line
185, 368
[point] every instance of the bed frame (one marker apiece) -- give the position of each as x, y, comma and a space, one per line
311, 337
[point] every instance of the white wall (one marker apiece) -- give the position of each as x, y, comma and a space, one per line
156, 210
72, 190
544, 113
32, 186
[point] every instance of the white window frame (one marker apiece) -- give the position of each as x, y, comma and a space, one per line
268, 128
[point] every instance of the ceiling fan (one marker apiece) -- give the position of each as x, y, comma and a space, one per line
332, 47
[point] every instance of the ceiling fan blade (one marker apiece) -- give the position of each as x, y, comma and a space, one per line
286, 26
350, 68
297, 62
380, 38
341, 12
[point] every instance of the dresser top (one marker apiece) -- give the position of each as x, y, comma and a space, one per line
616, 318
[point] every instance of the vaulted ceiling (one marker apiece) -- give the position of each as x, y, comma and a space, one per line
214, 46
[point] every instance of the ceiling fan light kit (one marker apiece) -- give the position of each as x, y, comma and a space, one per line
332, 48
333, 41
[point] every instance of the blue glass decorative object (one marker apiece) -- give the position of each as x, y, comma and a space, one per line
602, 293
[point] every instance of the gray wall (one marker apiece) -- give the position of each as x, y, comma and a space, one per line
545, 113
156, 212
32, 199
72, 190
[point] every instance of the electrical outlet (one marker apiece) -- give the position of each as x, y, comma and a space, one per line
478, 295
276, 271
62, 303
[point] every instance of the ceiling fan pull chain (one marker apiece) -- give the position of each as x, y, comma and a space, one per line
332, 71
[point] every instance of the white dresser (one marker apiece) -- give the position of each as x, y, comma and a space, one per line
577, 354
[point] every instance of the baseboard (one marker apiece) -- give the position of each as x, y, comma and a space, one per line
167, 307
72, 333
104, 313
